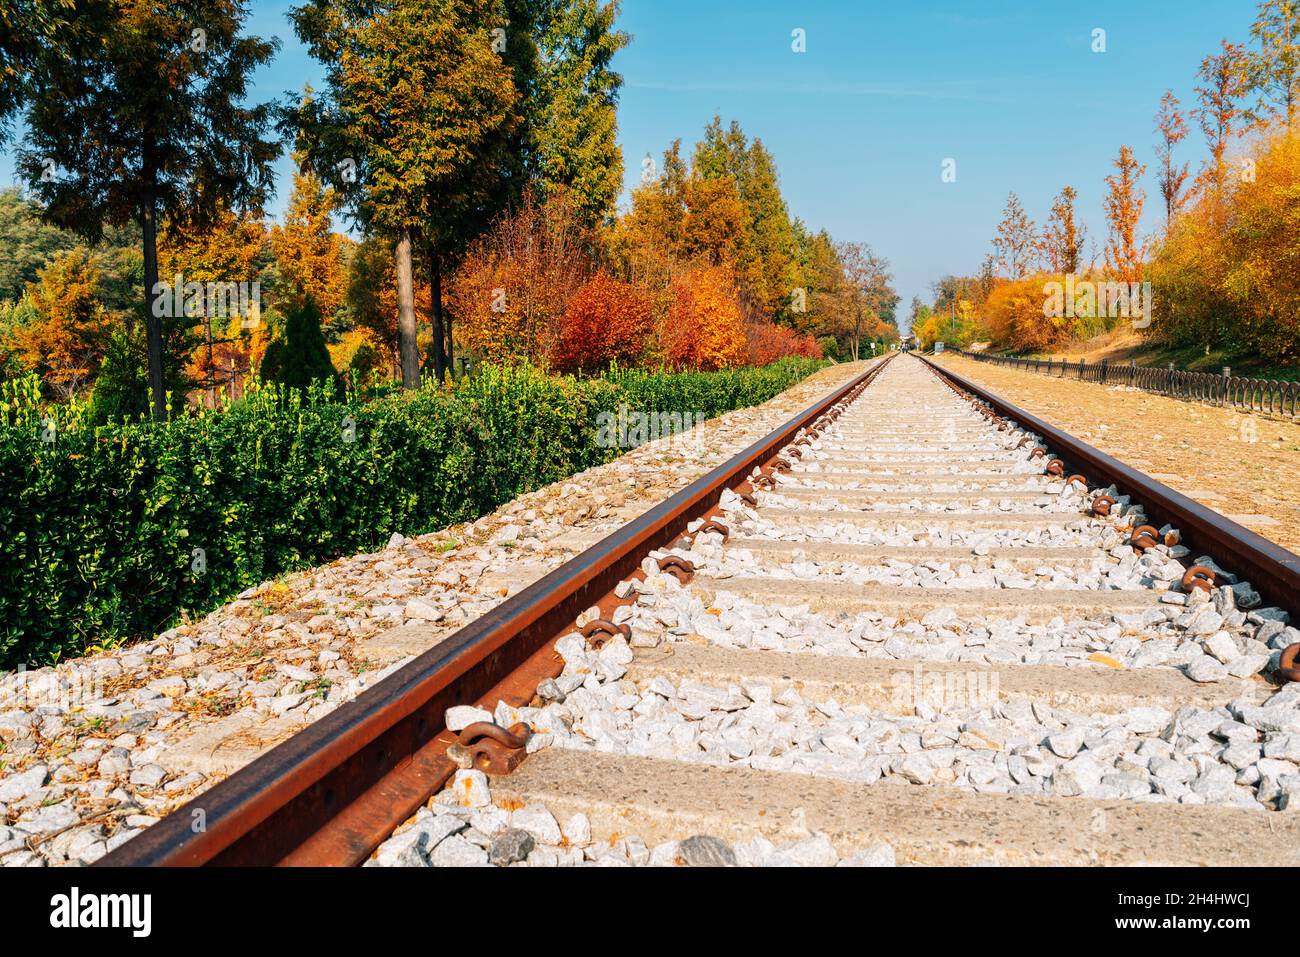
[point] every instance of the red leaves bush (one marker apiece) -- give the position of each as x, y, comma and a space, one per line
606, 321
768, 342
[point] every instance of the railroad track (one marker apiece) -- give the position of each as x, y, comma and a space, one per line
914, 625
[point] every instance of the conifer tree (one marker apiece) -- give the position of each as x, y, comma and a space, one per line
114, 133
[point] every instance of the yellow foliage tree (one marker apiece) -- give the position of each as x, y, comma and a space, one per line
309, 254
1228, 275
703, 329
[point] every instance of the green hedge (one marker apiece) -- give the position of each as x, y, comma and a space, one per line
98, 525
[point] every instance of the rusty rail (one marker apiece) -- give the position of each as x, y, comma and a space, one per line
1272, 570
333, 792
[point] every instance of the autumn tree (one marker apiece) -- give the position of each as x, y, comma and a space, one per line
66, 343
765, 247
1229, 272
1273, 72
1123, 204
515, 282
821, 284
1013, 317
606, 321
308, 253
115, 109
1172, 130
1218, 115
647, 242
212, 322
703, 328
416, 100
768, 342
715, 218
866, 292
1016, 239
1063, 235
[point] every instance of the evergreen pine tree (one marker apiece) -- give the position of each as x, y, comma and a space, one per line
300, 355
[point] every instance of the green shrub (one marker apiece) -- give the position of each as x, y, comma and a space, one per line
100, 523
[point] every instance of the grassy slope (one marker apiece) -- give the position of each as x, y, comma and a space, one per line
1123, 345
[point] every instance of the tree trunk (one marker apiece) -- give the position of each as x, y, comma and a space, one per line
435, 313
153, 314
451, 343
212, 366
410, 356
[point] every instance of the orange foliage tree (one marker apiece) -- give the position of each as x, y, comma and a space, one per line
1172, 128
510, 292
66, 344
1224, 81
1013, 315
230, 251
1062, 242
606, 321
1124, 201
703, 329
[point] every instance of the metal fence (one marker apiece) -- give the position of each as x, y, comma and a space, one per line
1268, 396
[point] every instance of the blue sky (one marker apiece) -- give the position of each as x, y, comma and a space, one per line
861, 122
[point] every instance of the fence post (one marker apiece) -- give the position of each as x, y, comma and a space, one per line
1104, 363
1080, 369
1169, 380
1223, 386
1132, 372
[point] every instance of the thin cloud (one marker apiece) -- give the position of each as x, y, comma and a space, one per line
893, 91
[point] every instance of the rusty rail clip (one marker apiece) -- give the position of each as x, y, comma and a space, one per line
1286, 666
1198, 576
680, 568
600, 630
494, 749
1144, 537
712, 525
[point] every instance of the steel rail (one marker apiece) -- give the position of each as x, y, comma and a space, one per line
333, 792
1272, 570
